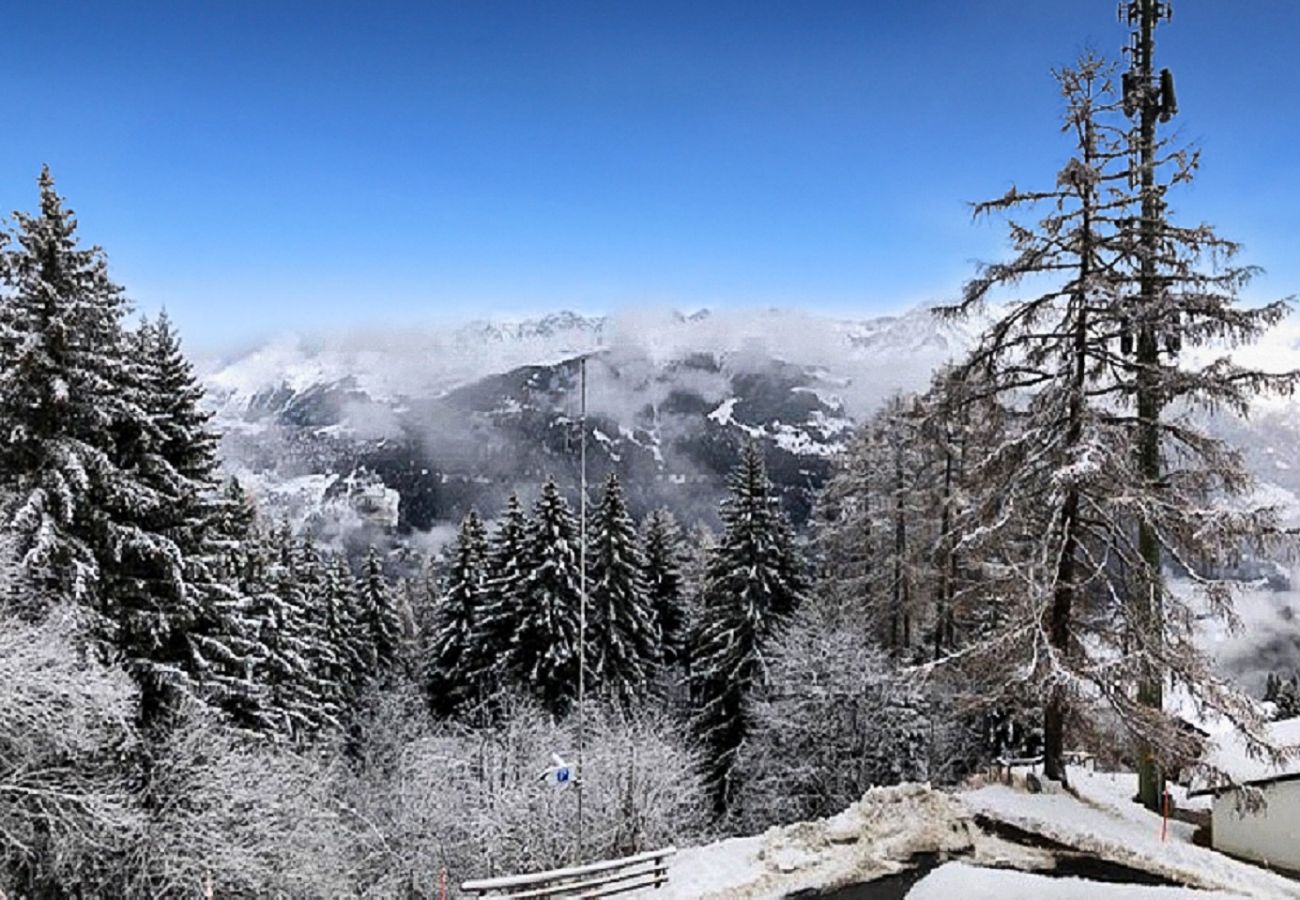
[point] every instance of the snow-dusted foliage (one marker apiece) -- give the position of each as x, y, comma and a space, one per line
754, 580
1103, 475
621, 633
242, 817
434, 795
544, 646
68, 760
835, 718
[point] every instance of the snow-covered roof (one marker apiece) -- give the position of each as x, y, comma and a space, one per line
1227, 753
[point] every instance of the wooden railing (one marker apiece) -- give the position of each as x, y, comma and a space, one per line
602, 879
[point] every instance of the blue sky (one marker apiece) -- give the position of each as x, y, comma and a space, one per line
262, 166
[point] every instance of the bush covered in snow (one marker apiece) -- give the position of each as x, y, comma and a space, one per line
434, 795
836, 719
67, 759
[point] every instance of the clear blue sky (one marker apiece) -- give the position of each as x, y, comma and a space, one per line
258, 166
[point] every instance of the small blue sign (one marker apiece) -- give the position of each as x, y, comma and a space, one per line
561, 776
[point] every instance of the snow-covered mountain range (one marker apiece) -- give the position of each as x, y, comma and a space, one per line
401, 432
410, 429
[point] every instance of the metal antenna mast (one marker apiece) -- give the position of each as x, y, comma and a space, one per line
1151, 100
582, 589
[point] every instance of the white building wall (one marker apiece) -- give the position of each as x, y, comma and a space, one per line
1271, 836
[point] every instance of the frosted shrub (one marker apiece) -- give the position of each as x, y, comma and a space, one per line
66, 811
248, 817
836, 719
434, 795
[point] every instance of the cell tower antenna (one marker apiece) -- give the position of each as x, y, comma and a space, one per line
1148, 98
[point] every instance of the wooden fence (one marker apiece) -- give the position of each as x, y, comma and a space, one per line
602, 879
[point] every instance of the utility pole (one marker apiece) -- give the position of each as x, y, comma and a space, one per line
582, 591
1150, 100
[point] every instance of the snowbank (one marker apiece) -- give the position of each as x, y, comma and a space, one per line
880, 834
876, 836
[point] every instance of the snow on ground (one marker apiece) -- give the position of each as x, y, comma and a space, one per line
1229, 754
1105, 823
881, 833
872, 838
722, 415
955, 879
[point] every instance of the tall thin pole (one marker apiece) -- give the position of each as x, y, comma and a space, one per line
582, 589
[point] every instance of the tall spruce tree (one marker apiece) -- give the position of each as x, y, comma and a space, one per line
755, 580
62, 370
621, 638
379, 619
217, 649
457, 672
544, 649
347, 649
661, 552
103, 513
503, 606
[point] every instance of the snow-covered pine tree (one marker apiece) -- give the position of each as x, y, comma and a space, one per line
61, 370
502, 612
755, 580
621, 636
456, 670
220, 645
99, 511
544, 655
379, 620
1062, 497
661, 551
293, 701
148, 610
344, 656
311, 575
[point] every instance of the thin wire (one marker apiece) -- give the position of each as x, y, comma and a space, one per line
582, 593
